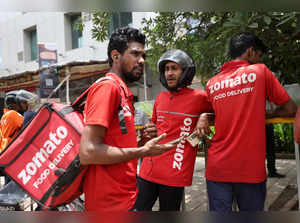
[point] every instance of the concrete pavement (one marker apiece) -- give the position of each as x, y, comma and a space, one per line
281, 192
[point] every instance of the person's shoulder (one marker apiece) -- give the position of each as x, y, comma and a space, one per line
216, 77
13, 113
260, 70
162, 94
105, 85
260, 67
196, 92
105, 81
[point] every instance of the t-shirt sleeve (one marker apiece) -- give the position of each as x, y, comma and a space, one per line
154, 117
207, 92
102, 104
206, 104
275, 92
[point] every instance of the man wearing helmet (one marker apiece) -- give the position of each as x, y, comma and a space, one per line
11, 121
175, 112
28, 102
17, 102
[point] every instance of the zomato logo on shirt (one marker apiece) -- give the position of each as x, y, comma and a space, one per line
232, 82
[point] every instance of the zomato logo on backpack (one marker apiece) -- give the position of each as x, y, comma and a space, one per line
44, 157
47, 158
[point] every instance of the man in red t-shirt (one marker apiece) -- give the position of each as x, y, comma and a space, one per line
236, 158
108, 143
175, 112
297, 126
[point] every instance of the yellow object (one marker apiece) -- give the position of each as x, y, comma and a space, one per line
139, 127
279, 120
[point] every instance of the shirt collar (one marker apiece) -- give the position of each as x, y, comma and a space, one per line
122, 84
233, 64
179, 91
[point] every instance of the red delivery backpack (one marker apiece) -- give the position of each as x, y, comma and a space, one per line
43, 158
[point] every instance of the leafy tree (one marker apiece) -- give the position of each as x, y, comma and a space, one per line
100, 25
205, 36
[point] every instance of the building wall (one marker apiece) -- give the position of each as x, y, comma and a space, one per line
52, 27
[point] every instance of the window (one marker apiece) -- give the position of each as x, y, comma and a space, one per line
76, 33
119, 19
73, 34
33, 47
30, 44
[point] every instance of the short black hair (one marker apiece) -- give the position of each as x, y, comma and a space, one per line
121, 37
242, 41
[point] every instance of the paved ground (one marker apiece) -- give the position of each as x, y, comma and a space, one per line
281, 192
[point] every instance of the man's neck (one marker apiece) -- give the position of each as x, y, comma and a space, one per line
241, 58
118, 73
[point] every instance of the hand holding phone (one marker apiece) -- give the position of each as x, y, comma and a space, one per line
193, 139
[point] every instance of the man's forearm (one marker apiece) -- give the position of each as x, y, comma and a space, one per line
286, 110
105, 155
98, 153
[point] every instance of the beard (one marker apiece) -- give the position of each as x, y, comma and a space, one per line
131, 77
172, 88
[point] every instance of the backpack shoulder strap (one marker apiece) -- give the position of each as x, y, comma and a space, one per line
79, 103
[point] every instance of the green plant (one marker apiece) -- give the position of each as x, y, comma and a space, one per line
146, 106
283, 138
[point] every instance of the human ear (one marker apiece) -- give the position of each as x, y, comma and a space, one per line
251, 51
115, 55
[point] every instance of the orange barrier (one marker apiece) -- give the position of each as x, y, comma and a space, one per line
278, 120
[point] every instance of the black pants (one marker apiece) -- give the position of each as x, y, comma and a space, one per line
169, 197
270, 149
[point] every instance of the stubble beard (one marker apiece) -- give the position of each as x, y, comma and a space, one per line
130, 77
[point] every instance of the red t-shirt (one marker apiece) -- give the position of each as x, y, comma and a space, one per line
111, 187
238, 95
176, 114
